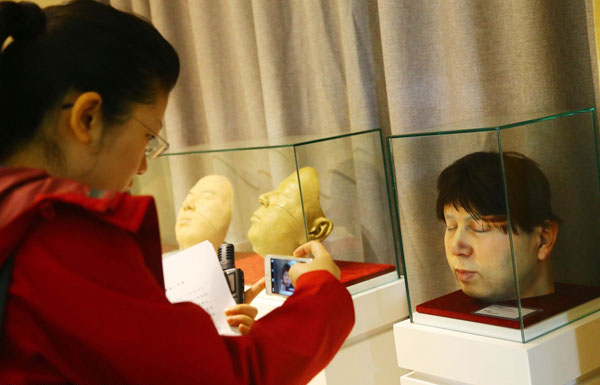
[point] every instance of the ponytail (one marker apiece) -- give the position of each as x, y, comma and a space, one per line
20, 20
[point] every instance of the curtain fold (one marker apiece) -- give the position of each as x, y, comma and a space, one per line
257, 70
461, 61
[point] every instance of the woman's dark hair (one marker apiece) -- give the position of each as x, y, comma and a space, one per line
80, 46
475, 183
285, 268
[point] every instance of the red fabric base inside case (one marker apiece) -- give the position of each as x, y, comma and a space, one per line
460, 306
253, 266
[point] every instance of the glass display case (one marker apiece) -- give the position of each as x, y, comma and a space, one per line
499, 225
271, 197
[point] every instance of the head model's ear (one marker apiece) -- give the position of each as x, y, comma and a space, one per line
547, 238
86, 115
320, 228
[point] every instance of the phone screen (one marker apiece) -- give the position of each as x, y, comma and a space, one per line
280, 277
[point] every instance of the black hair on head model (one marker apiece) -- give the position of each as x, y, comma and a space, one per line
475, 182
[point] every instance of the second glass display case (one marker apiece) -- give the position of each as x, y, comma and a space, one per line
499, 225
270, 198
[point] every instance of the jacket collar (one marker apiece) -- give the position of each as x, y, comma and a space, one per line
26, 192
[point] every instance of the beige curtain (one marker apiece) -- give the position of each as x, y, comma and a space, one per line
255, 69
264, 69
258, 69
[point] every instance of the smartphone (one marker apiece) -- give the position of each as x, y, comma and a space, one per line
277, 278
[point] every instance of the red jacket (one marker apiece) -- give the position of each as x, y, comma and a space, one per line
86, 303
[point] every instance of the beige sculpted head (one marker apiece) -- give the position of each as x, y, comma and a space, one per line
278, 224
205, 213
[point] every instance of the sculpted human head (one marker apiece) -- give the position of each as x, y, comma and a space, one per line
471, 202
278, 224
205, 213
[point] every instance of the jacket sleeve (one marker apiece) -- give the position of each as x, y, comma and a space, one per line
293, 343
83, 299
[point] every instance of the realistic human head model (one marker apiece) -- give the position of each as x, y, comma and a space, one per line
471, 202
278, 225
83, 90
205, 213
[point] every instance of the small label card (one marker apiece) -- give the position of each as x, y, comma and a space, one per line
505, 312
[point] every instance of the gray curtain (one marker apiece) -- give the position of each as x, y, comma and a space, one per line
265, 70
259, 69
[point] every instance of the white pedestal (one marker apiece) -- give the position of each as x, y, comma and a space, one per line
368, 356
569, 355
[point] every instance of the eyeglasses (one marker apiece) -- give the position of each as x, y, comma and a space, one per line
156, 143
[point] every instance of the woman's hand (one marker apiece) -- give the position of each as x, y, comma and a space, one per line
243, 315
321, 261
254, 290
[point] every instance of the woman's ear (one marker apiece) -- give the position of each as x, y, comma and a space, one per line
547, 238
320, 229
86, 115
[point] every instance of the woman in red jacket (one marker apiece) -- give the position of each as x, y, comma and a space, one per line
83, 90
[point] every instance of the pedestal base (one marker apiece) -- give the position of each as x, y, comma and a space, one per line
569, 355
415, 378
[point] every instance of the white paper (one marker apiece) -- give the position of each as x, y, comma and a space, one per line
195, 275
505, 312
